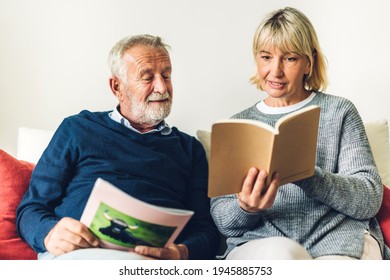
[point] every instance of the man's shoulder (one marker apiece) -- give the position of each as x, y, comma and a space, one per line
83, 120
86, 115
187, 140
180, 133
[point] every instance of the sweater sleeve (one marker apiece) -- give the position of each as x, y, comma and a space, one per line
230, 218
35, 214
347, 180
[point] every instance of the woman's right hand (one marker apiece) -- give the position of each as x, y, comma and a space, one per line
255, 195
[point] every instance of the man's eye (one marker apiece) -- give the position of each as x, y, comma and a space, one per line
148, 78
167, 78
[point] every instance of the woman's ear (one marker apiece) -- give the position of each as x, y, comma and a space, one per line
310, 62
308, 67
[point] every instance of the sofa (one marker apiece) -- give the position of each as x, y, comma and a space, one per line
15, 173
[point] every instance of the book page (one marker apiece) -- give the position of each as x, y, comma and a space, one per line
296, 145
121, 221
235, 147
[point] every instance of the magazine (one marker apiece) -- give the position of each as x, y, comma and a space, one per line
121, 221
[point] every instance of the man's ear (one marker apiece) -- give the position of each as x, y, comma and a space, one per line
115, 86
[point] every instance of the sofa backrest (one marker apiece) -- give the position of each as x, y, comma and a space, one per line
32, 142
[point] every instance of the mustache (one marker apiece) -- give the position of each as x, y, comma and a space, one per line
155, 96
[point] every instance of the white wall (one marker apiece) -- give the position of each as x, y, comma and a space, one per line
53, 55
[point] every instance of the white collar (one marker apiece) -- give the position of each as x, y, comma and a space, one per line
162, 127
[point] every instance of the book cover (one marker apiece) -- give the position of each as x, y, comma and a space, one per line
289, 148
121, 221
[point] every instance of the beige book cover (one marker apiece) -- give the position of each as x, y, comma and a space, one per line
121, 221
238, 144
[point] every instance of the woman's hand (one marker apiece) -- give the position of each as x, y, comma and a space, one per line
173, 252
255, 195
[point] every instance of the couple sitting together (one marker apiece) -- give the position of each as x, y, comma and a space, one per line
330, 215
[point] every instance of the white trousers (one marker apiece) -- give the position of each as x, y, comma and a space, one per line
93, 254
282, 248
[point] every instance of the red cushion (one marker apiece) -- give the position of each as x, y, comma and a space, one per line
383, 215
14, 179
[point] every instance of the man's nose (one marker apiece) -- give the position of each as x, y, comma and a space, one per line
160, 85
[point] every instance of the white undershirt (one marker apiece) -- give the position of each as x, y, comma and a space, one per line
264, 108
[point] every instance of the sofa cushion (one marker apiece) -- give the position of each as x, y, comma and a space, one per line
378, 136
383, 215
204, 137
32, 142
14, 180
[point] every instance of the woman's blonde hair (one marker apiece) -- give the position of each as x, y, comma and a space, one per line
289, 30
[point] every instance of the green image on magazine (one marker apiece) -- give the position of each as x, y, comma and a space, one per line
118, 228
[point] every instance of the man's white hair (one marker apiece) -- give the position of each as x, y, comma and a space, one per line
115, 61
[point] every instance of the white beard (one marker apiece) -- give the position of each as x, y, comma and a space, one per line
150, 114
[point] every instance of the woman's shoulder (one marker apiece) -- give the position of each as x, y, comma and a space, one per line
331, 98
336, 102
333, 105
248, 113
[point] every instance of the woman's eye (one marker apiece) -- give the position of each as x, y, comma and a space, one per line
265, 57
291, 59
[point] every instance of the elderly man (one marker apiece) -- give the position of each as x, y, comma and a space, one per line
133, 148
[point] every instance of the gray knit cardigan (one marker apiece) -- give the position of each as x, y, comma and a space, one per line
328, 212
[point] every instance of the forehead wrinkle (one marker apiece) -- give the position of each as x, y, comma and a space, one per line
147, 69
146, 62
148, 56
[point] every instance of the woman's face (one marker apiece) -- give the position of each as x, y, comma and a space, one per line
281, 75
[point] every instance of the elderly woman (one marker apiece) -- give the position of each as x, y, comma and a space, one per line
330, 215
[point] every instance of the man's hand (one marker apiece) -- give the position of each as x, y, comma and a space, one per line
255, 195
173, 252
68, 235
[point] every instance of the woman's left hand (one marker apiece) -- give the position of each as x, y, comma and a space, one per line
173, 252
255, 195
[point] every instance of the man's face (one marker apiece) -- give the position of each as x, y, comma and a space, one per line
147, 96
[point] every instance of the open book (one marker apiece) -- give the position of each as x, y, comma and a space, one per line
121, 221
238, 144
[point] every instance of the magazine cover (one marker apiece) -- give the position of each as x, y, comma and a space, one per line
121, 221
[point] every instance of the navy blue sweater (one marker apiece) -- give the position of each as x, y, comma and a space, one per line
165, 170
